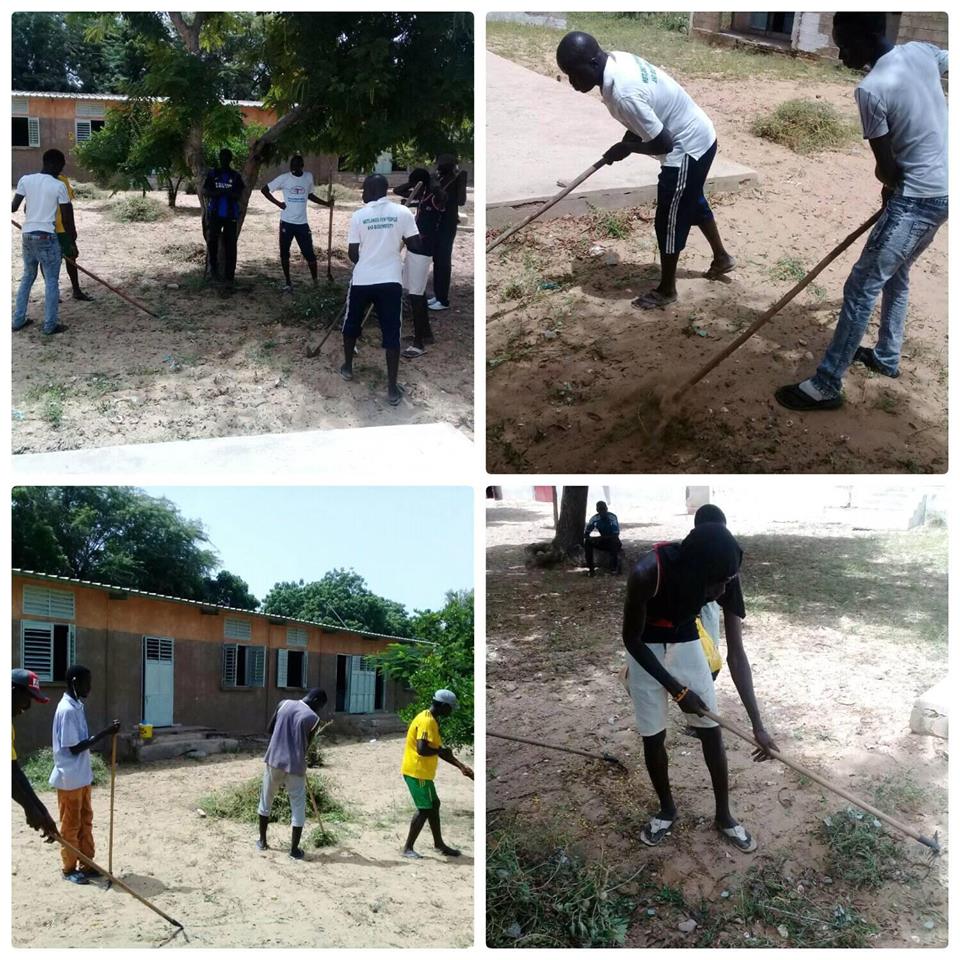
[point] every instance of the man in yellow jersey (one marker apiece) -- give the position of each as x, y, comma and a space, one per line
26, 689
68, 246
419, 769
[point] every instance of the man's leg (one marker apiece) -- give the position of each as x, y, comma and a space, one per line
357, 300
30, 265
670, 186
297, 792
70, 804
588, 552
416, 825
285, 238
715, 757
433, 817
86, 844
230, 242
722, 261
50, 258
268, 789
423, 797
655, 758
214, 227
305, 243
443, 263
389, 306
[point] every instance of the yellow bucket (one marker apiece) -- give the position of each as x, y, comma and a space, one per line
146, 731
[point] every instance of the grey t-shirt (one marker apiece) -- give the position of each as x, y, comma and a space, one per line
291, 734
902, 96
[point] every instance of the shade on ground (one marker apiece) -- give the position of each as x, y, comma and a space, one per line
540, 132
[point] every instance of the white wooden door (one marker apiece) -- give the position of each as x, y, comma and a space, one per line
158, 681
361, 686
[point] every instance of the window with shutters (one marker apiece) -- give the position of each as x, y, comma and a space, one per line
26, 131
45, 602
296, 636
291, 669
48, 649
159, 648
236, 629
90, 108
243, 665
85, 129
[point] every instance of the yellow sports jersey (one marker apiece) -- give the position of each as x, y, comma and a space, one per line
59, 224
423, 727
13, 730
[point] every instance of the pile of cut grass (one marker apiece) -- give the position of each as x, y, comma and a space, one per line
137, 210
539, 895
861, 851
241, 801
806, 127
39, 765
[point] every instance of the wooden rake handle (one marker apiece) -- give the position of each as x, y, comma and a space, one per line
569, 188
552, 746
766, 317
824, 782
113, 785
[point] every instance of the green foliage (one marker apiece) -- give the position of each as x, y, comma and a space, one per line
447, 662
671, 22
861, 852
229, 590
240, 802
807, 126
540, 895
39, 765
341, 597
137, 210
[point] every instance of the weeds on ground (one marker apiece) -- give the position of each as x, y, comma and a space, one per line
509, 454
861, 852
806, 126
50, 399
613, 224
899, 793
315, 750
39, 765
790, 268
540, 895
312, 305
137, 210
88, 191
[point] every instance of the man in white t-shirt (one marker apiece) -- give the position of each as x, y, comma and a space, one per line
903, 113
45, 195
662, 121
297, 187
377, 235
72, 774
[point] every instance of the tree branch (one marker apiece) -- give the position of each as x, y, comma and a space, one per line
189, 32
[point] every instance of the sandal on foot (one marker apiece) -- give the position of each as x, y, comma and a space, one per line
793, 398
739, 837
868, 358
653, 298
412, 855
412, 352
77, 877
656, 831
715, 271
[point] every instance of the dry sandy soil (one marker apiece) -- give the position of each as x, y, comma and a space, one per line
218, 365
575, 372
844, 631
207, 874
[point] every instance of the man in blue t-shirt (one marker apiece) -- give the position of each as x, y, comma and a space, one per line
608, 539
222, 189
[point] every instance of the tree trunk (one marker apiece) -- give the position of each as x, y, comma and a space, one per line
573, 518
173, 187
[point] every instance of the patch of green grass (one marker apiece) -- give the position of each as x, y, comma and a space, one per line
137, 210
807, 126
615, 224
788, 268
861, 852
540, 895
100, 384
312, 305
39, 765
898, 792
887, 402
49, 399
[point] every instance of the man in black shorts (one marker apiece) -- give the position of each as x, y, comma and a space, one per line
662, 121
378, 232
297, 188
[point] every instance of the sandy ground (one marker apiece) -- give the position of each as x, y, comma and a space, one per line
575, 372
215, 365
835, 682
208, 875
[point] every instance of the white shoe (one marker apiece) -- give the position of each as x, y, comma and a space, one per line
432, 301
437, 305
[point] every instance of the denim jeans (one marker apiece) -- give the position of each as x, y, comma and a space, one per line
39, 249
905, 229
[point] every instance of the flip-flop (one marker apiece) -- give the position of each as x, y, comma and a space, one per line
412, 855
868, 358
714, 274
656, 831
738, 837
793, 398
648, 301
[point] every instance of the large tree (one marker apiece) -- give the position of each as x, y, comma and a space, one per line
340, 598
573, 518
115, 535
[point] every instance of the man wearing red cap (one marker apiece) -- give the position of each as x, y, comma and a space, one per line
26, 689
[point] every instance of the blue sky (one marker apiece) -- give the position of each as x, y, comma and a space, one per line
410, 544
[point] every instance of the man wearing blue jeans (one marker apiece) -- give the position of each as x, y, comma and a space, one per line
45, 194
904, 116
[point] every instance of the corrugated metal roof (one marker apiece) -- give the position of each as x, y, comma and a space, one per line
119, 97
215, 606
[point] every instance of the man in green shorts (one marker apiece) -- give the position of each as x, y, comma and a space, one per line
419, 768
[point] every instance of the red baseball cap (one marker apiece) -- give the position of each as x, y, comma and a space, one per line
30, 682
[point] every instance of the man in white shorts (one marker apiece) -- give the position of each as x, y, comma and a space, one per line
377, 235
665, 592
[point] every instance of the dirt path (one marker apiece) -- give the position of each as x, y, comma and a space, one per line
207, 874
835, 675
574, 371
217, 366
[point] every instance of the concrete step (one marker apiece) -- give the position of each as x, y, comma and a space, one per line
169, 748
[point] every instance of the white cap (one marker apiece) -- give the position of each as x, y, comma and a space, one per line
446, 696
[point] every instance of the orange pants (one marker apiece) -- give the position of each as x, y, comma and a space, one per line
76, 826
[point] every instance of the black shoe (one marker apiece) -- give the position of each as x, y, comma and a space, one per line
26, 323
59, 328
793, 398
346, 372
868, 358
296, 854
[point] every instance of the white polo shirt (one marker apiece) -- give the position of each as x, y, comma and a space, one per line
69, 728
295, 193
380, 227
43, 195
645, 99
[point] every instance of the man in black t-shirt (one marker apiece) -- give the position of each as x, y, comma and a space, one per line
453, 182
222, 190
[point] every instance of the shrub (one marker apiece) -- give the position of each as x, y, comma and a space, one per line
806, 126
39, 765
137, 210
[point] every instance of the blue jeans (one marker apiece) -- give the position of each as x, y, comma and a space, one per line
39, 249
905, 229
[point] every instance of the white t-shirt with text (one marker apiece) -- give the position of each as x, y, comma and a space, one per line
295, 193
42, 195
380, 227
902, 96
645, 99
69, 728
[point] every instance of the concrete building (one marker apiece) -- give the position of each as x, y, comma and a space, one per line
173, 662
42, 121
807, 34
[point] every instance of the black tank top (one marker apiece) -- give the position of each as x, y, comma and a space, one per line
666, 622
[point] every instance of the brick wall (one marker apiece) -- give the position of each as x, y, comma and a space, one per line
812, 34
929, 27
